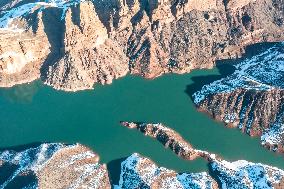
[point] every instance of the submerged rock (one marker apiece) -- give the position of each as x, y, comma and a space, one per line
89, 42
251, 98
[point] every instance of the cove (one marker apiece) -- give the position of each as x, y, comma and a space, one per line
32, 113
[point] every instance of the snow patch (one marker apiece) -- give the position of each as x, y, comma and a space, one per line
7, 18
261, 72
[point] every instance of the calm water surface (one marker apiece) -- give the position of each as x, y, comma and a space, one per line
36, 113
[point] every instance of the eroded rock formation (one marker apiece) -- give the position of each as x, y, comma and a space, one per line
168, 137
251, 98
98, 41
22, 53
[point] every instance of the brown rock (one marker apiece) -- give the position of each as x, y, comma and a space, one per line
106, 40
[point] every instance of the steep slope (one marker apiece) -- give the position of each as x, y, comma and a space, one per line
251, 98
22, 53
98, 41
88, 56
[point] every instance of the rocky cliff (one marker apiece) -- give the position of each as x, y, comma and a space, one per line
73, 44
251, 98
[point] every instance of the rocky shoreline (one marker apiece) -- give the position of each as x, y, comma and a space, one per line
72, 45
55, 165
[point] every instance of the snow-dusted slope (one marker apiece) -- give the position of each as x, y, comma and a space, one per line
140, 172
261, 72
251, 98
8, 16
246, 175
229, 175
28, 160
52, 165
57, 166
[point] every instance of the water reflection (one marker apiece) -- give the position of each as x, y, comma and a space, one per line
21, 93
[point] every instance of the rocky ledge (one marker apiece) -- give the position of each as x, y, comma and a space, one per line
251, 98
73, 44
55, 165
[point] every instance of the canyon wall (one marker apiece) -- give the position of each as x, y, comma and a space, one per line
251, 98
89, 42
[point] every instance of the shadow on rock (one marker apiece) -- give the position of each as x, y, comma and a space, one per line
7, 169
54, 28
114, 169
213, 174
22, 181
23, 147
226, 67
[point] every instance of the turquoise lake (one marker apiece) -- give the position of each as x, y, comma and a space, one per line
34, 113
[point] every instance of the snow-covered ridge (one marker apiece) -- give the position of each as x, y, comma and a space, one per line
30, 159
274, 135
246, 175
48, 162
7, 17
261, 72
251, 98
55, 165
140, 172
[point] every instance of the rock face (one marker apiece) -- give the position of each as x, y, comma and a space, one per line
88, 56
170, 139
251, 98
22, 53
52, 166
88, 42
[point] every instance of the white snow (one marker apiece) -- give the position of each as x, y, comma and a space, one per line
30, 159
18, 11
274, 135
261, 72
140, 172
243, 174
